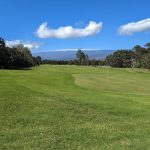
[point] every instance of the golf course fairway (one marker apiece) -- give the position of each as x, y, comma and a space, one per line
74, 108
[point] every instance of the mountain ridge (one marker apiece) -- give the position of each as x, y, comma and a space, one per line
71, 54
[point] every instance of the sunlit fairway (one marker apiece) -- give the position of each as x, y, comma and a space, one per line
73, 107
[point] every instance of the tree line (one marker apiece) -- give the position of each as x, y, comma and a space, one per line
16, 57
21, 57
138, 57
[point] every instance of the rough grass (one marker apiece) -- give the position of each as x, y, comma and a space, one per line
71, 107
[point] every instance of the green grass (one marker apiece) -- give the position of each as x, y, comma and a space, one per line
74, 108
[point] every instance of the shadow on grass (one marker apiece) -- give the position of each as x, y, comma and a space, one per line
22, 69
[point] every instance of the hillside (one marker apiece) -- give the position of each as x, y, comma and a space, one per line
71, 55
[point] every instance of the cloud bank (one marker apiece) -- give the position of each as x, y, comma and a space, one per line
68, 32
29, 45
130, 28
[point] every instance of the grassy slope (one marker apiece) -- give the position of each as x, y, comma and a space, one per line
70, 107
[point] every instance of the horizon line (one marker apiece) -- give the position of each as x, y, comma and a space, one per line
75, 49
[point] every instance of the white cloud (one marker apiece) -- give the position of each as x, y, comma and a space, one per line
13, 43
140, 26
29, 45
68, 32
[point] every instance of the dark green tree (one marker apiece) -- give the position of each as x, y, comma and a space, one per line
2, 43
147, 45
82, 58
120, 58
16, 57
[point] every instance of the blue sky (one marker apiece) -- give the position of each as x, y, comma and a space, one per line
21, 19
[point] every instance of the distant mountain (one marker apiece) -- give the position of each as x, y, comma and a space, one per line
71, 55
